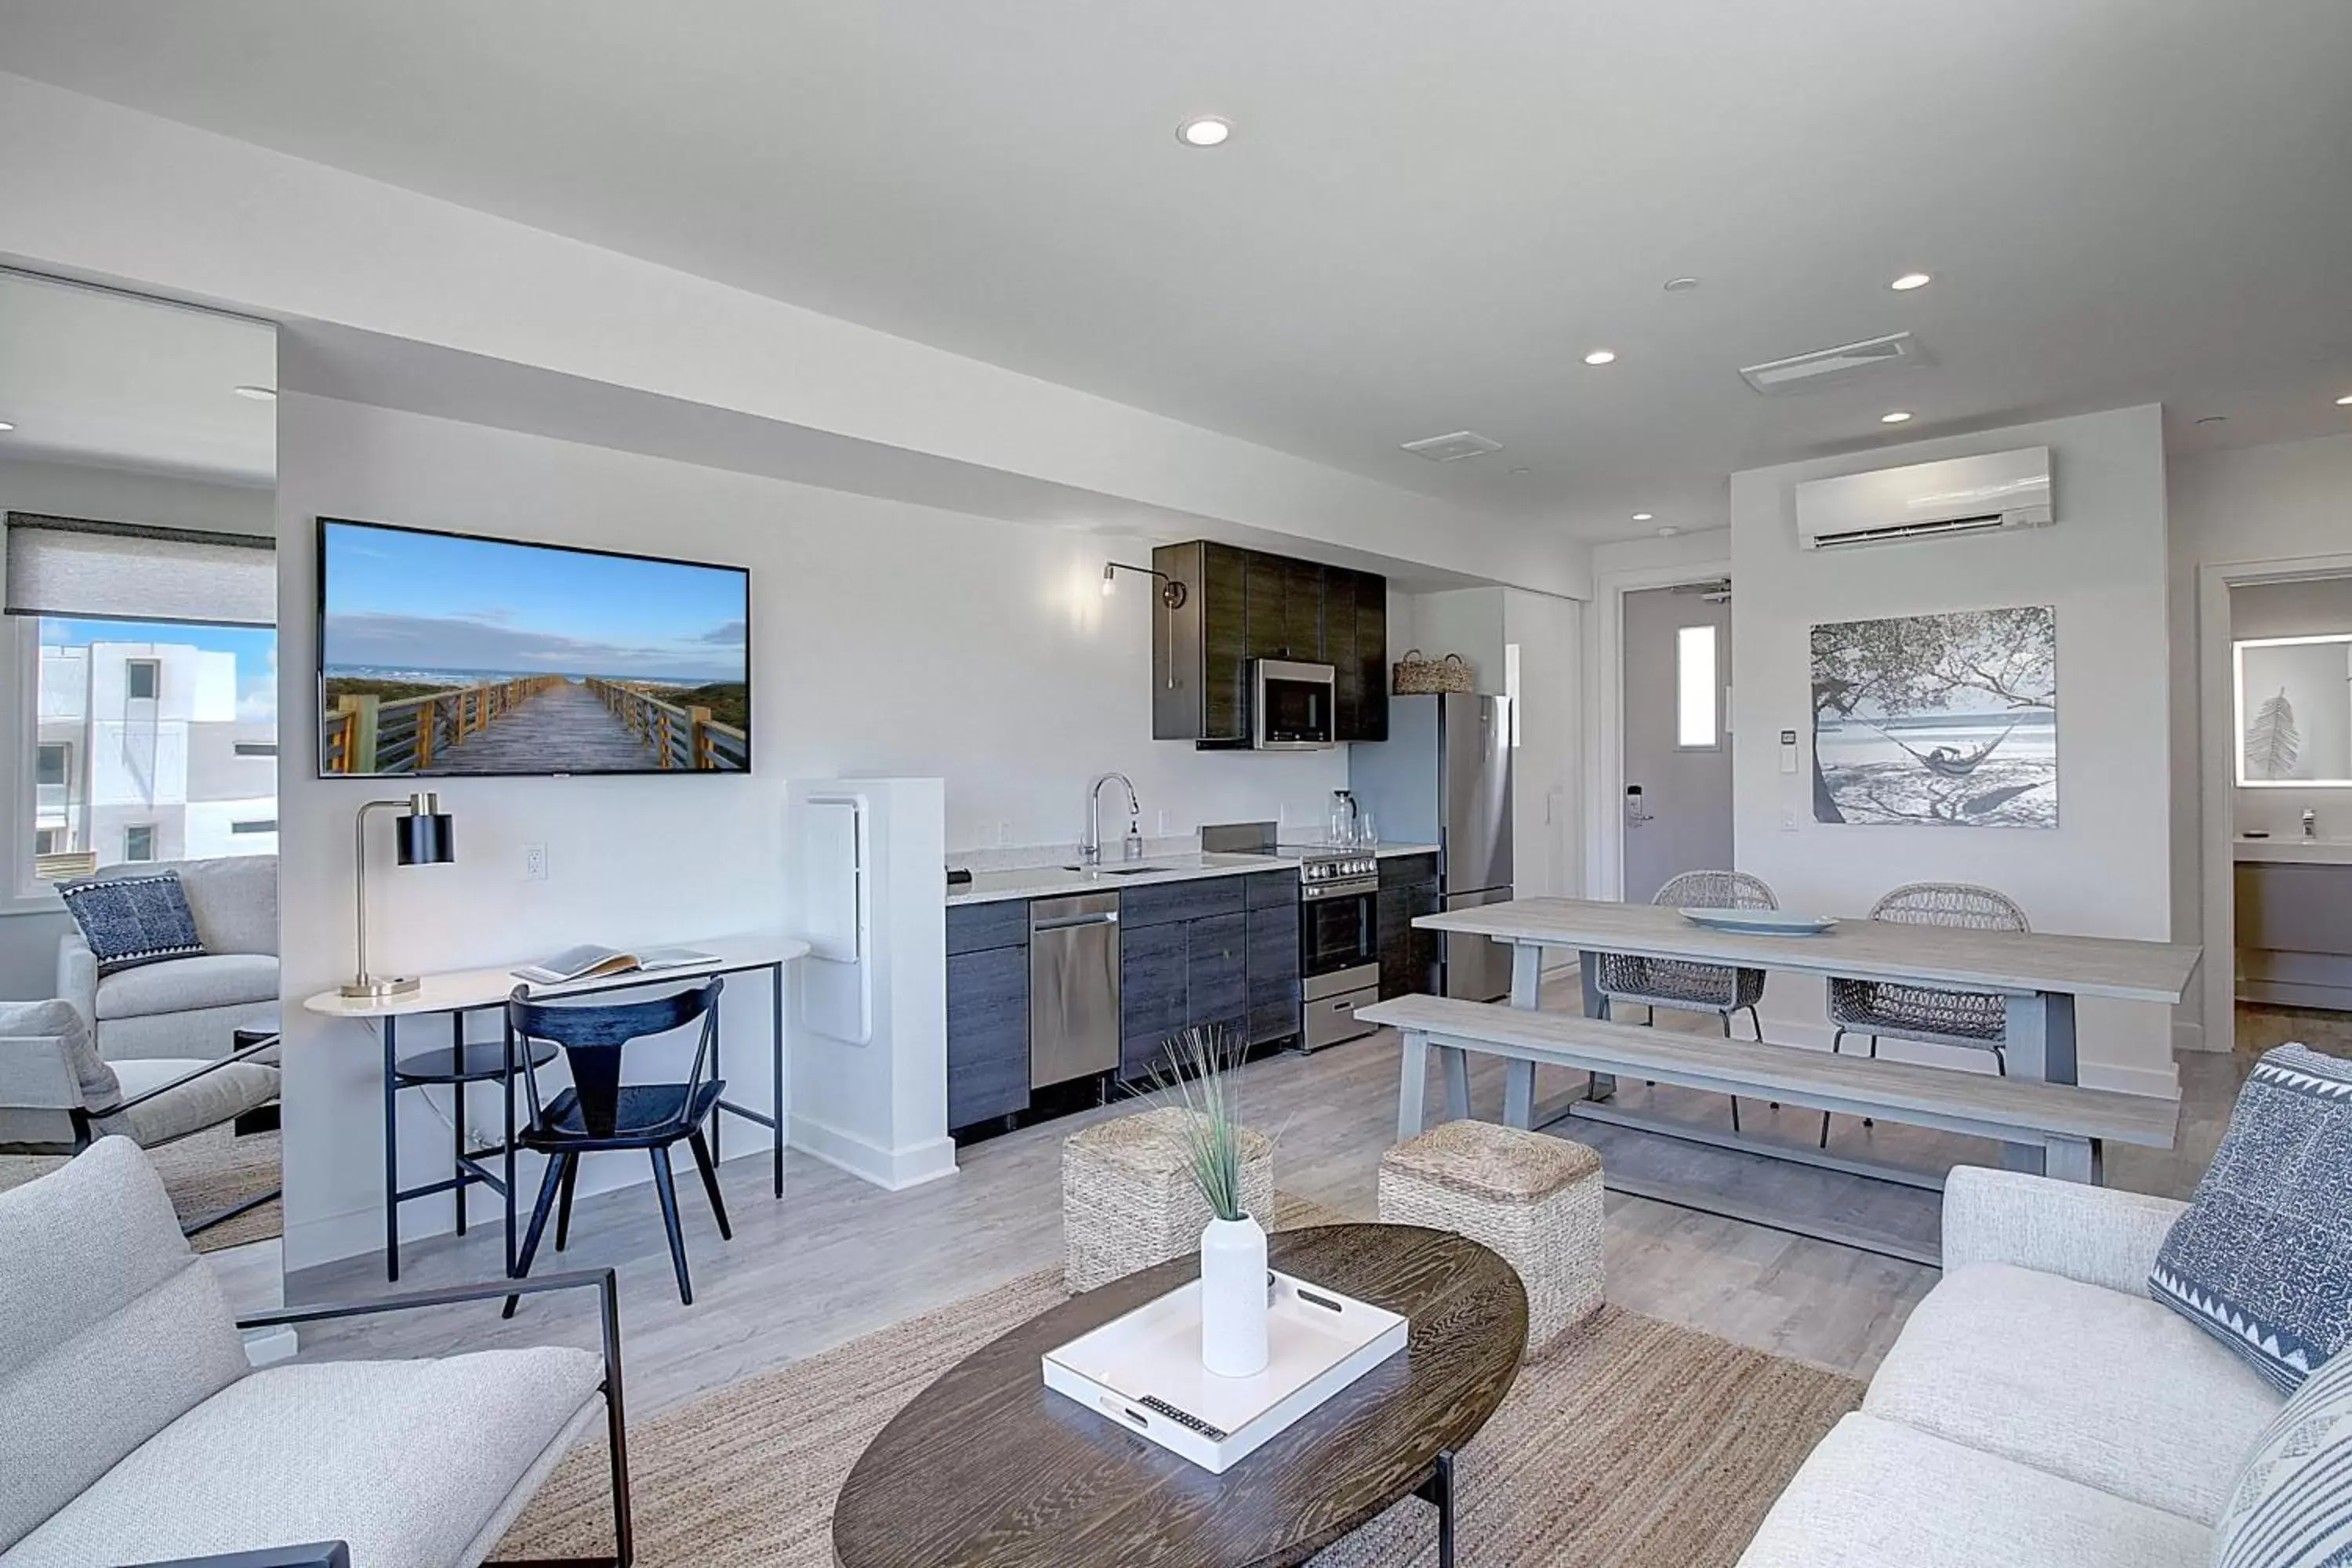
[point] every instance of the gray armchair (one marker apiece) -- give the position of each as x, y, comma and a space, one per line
135, 1430
58, 1095
186, 1007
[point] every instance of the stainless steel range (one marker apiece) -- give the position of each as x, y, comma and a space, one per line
1339, 943
1339, 927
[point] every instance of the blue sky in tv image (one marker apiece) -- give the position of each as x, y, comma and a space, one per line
399, 601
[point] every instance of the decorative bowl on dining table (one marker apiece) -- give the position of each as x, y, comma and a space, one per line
1760, 922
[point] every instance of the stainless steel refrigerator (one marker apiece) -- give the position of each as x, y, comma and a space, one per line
1444, 777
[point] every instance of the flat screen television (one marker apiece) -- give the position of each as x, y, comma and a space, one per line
447, 654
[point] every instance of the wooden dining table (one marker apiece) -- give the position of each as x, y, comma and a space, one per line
2040, 974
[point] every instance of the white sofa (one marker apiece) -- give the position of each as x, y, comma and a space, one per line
132, 1430
2037, 1408
186, 1007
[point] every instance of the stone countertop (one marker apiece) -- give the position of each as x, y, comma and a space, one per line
2294, 850
1057, 880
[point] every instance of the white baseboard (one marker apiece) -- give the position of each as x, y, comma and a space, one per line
892, 1170
2188, 1035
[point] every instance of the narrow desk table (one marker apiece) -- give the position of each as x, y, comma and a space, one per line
2040, 974
460, 991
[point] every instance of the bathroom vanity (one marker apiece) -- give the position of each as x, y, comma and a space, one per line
2294, 921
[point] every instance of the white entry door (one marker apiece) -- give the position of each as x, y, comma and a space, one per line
1676, 810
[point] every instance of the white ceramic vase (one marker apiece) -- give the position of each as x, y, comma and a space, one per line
1232, 1298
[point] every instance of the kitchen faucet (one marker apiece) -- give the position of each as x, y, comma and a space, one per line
1091, 851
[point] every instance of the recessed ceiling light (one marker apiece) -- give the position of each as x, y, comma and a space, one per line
1668, 532
1523, 471
1898, 417
1644, 516
1681, 285
1911, 280
2344, 401
5, 427
258, 394
1204, 130
1601, 356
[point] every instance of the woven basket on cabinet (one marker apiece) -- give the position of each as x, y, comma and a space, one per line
1419, 677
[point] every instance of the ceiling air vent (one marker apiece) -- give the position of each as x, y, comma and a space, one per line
1833, 367
1453, 448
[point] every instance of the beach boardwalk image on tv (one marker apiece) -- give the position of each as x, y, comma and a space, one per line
1948, 719
446, 654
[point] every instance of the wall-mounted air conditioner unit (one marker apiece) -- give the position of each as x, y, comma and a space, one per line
1926, 500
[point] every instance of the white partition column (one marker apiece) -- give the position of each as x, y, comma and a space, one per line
867, 1077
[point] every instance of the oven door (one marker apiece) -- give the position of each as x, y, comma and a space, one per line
1336, 933
1293, 706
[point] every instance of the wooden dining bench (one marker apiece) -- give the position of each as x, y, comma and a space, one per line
2066, 1125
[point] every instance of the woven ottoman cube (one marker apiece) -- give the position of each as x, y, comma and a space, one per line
1533, 1198
1128, 1197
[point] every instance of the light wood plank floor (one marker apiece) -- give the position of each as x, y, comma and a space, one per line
836, 1259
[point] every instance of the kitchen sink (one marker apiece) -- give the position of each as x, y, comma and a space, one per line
1116, 870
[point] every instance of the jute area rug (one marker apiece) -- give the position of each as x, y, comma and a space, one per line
205, 1174
1632, 1443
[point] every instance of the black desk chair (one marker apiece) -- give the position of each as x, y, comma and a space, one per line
600, 1112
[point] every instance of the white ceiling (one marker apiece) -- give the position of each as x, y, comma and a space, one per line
1427, 213
96, 377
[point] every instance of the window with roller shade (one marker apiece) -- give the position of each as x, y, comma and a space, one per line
152, 660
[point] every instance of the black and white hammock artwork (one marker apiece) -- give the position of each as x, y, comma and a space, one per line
1947, 719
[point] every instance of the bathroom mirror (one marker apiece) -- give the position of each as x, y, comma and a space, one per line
2295, 711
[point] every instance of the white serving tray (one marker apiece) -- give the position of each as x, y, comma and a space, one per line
1143, 1371
1760, 922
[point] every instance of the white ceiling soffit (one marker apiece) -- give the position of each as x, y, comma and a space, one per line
110, 380
1411, 229
391, 372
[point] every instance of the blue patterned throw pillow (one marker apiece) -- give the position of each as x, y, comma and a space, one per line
2262, 1259
132, 921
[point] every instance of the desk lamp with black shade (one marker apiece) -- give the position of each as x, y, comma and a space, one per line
421, 837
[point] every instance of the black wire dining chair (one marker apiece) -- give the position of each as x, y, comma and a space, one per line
600, 1112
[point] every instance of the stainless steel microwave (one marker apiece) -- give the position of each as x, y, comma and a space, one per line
1292, 706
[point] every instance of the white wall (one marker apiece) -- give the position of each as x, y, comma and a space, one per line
1547, 775
2241, 510
29, 927
2106, 869
889, 639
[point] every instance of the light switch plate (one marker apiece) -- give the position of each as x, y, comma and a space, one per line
534, 862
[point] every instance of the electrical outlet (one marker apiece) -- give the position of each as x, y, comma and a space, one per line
1789, 820
534, 862
1003, 834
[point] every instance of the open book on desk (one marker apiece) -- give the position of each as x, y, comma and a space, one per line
592, 963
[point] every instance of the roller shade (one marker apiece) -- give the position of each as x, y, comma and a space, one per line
120, 571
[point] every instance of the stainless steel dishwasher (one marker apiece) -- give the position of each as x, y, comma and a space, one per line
1073, 987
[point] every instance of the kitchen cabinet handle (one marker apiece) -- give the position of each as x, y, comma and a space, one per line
1074, 921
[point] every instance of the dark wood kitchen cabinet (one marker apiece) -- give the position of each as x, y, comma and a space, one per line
1153, 971
988, 1011
1273, 944
1184, 962
1408, 956
1246, 604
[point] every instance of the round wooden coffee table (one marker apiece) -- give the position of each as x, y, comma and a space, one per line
988, 1468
